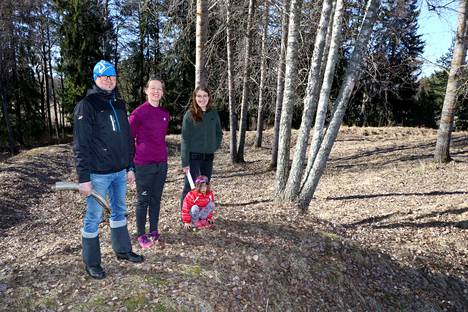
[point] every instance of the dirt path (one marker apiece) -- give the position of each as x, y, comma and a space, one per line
386, 231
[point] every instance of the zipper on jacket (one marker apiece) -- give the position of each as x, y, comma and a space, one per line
112, 122
115, 116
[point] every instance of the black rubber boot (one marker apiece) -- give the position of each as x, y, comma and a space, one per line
122, 246
92, 257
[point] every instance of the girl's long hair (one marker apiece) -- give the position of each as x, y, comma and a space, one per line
195, 110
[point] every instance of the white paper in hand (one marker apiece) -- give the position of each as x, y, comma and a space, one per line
190, 180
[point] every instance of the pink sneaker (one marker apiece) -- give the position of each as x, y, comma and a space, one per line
144, 242
156, 238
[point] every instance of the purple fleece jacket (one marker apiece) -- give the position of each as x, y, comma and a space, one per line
149, 128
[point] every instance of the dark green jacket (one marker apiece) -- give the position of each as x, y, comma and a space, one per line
200, 137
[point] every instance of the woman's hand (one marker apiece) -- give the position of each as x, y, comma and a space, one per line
187, 226
186, 169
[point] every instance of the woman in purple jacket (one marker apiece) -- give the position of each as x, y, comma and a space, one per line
149, 123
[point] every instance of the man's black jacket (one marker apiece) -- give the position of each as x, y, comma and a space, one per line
102, 140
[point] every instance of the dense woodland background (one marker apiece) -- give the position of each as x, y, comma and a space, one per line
48, 49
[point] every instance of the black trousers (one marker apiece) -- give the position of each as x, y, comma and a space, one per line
150, 181
199, 165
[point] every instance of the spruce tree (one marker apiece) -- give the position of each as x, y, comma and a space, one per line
82, 30
388, 89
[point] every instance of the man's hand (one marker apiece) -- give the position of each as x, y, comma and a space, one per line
131, 177
186, 169
85, 188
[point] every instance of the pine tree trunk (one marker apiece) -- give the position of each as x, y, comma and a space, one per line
280, 82
289, 97
326, 85
201, 37
310, 104
444, 134
40, 79
259, 134
19, 134
230, 82
350, 78
245, 82
6, 118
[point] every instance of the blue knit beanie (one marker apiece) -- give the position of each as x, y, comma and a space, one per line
103, 68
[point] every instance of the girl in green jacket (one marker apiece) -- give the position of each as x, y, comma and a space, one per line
201, 137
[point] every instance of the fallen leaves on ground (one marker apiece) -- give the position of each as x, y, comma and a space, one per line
387, 230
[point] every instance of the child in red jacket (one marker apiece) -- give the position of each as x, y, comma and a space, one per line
198, 205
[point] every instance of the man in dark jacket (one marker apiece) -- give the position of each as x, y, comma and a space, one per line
103, 154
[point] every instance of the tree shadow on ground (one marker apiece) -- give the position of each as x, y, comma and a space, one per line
225, 175
241, 174
431, 224
414, 221
254, 202
367, 196
299, 269
390, 155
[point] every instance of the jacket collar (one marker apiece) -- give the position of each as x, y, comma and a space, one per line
102, 93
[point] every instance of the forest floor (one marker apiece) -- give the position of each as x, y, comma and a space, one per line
386, 231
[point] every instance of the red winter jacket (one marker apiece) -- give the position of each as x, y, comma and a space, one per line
195, 197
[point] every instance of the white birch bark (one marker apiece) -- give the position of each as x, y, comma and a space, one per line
245, 84
230, 82
280, 82
259, 133
322, 108
444, 134
326, 49
350, 78
201, 35
289, 96
310, 104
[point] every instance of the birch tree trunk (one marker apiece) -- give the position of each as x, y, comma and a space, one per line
62, 104
280, 82
326, 49
259, 134
52, 84
45, 73
310, 104
230, 82
245, 83
350, 78
289, 96
201, 37
444, 134
326, 86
